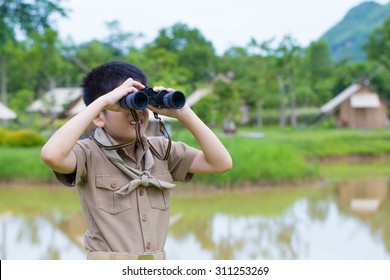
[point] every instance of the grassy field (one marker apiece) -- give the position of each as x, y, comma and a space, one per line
288, 156
23, 164
294, 156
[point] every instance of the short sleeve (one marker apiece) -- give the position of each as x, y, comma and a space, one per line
180, 160
79, 176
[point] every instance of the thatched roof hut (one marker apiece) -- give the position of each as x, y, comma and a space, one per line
6, 113
56, 101
358, 106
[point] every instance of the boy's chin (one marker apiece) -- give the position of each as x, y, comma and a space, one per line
133, 134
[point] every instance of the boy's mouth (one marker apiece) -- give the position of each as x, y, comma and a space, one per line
133, 123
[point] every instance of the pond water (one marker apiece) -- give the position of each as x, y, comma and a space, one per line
345, 221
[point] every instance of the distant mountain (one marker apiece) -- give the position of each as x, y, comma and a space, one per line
346, 38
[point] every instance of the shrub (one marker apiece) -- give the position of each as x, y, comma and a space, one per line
3, 132
22, 138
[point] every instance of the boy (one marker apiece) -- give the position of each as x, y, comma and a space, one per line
123, 186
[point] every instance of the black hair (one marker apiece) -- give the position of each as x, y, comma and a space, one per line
107, 77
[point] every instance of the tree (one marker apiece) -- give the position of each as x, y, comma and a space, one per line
116, 46
250, 70
94, 53
162, 67
118, 40
193, 51
320, 72
227, 104
287, 59
24, 16
377, 47
46, 67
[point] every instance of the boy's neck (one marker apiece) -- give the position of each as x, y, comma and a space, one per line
130, 150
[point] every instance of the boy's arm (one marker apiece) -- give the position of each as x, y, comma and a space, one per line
213, 157
57, 152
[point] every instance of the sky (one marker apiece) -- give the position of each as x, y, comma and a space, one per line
225, 23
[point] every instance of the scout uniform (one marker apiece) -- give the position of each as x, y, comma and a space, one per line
127, 217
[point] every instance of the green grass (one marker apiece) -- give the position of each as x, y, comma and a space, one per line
256, 160
23, 164
335, 142
346, 171
291, 155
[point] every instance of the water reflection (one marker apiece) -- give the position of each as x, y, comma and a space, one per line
38, 237
329, 226
364, 197
294, 235
349, 221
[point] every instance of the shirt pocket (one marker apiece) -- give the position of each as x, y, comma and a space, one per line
160, 199
108, 200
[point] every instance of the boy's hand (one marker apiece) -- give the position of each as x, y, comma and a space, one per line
173, 113
112, 98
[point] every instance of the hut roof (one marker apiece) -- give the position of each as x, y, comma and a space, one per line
198, 95
340, 98
6, 113
365, 100
55, 100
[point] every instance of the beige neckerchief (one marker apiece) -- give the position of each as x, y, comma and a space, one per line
138, 178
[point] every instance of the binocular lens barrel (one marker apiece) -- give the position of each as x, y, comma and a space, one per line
137, 100
174, 100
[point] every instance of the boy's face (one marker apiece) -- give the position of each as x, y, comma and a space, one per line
121, 125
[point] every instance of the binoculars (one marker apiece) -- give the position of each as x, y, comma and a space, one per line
139, 100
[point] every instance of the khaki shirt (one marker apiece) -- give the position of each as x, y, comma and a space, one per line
134, 223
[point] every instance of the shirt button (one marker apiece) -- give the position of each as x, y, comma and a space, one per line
113, 185
141, 192
148, 245
144, 218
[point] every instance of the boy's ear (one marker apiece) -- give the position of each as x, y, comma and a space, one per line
99, 120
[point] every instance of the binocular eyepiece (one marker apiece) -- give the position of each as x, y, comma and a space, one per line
139, 100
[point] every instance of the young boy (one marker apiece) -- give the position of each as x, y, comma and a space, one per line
122, 185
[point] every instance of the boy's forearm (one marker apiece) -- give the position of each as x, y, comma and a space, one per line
71, 131
61, 143
217, 157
